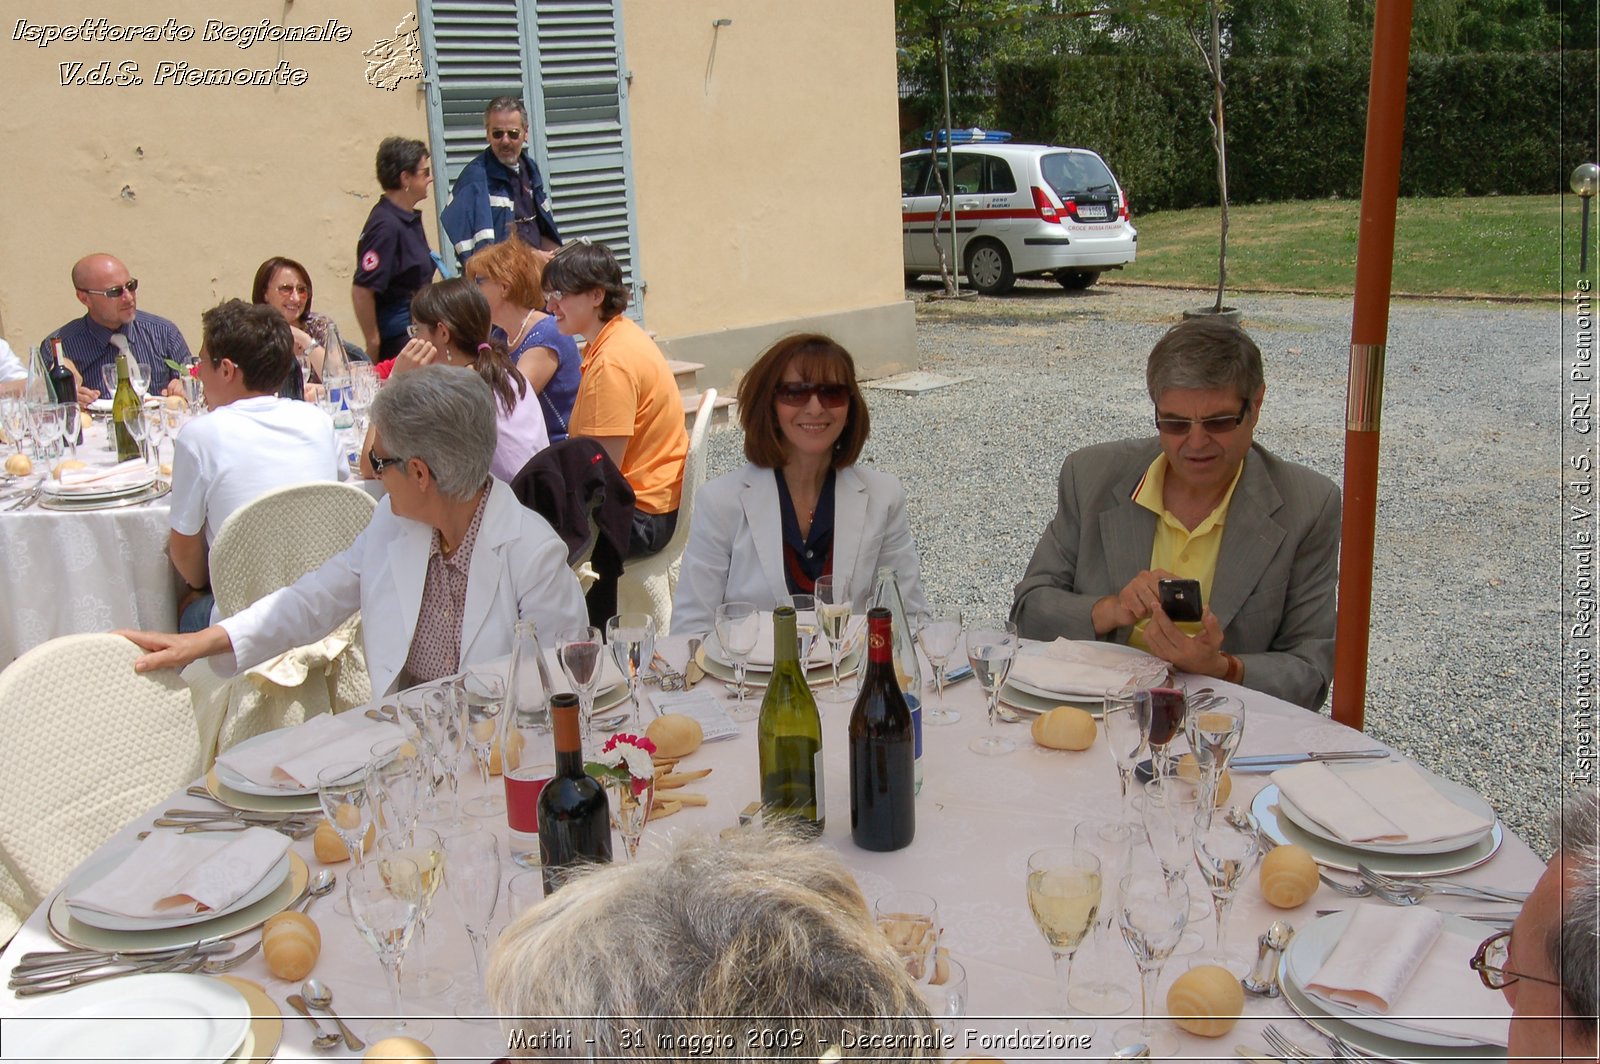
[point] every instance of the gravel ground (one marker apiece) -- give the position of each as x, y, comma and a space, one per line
1463, 673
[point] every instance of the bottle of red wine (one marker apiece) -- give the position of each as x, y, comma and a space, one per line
789, 736
883, 814
62, 385
574, 815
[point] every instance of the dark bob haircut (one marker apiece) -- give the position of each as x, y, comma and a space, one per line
819, 359
581, 266
396, 156
258, 287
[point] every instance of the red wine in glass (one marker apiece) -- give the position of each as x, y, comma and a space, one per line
1167, 708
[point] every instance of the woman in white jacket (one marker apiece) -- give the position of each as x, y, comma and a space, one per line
801, 509
449, 563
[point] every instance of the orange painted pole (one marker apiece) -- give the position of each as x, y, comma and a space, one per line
1380, 186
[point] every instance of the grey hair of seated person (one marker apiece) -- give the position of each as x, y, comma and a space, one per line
1204, 354
1575, 951
443, 415
691, 944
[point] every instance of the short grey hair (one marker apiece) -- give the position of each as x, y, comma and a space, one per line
1575, 951
690, 945
1205, 354
443, 415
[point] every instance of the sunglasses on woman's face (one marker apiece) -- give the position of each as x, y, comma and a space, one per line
799, 393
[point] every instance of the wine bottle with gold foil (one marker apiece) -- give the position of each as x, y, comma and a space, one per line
125, 405
789, 736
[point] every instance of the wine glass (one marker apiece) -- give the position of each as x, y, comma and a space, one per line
632, 639
1168, 807
472, 871
385, 898
631, 802
445, 738
155, 430
71, 426
347, 803
991, 648
139, 377
939, 631
1125, 738
1214, 733
1112, 842
1161, 712
395, 782
738, 627
805, 627
108, 377
1064, 898
909, 919
833, 617
1152, 912
1225, 856
194, 390
425, 849
945, 992
578, 650
480, 699
14, 421
134, 423
47, 429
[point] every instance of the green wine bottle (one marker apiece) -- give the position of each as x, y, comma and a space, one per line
789, 735
124, 405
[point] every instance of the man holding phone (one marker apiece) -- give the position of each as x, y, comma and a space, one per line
1253, 537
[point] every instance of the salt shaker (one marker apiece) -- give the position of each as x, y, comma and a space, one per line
1263, 978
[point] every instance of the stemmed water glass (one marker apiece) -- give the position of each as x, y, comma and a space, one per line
990, 649
385, 897
480, 699
47, 419
805, 628
631, 802
1167, 808
832, 595
1125, 738
1112, 842
1214, 732
578, 651
71, 426
155, 430
395, 782
442, 724
632, 639
1064, 898
425, 849
134, 423
1225, 855
1152, 912
939, 631
108, 377
14, 420
738, 627
342, 790
139, 377
472, 871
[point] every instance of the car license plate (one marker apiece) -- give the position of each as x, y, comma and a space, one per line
1091, 210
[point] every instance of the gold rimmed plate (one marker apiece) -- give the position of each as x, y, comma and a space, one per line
266, 1022
1029, 702
73, 504
260, 803
756, 676
1281, 829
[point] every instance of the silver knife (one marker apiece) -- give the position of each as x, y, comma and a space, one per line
1267, 762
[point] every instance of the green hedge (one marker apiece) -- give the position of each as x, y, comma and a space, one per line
1475, 125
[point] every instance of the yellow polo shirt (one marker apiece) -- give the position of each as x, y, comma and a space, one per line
1189, 554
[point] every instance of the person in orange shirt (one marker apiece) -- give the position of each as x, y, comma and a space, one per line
627, 400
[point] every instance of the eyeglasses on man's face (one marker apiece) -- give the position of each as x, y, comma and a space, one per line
1490, 964
380, 464
115, 291
799, 393
1215, 426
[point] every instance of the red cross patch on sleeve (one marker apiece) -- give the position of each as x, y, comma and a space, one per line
369, 261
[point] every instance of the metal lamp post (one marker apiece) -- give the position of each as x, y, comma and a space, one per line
1585, 182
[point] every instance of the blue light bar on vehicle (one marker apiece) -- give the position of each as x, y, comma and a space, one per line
968, 136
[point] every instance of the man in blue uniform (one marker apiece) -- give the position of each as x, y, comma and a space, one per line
393, 259
501, 191
112, 309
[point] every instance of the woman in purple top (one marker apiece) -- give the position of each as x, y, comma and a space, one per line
509, 276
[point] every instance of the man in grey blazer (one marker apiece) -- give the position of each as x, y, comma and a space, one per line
1202, 500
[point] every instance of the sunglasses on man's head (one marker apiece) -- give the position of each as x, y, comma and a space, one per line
116, 290
799, 393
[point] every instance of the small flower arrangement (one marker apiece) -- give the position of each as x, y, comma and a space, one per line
625, 757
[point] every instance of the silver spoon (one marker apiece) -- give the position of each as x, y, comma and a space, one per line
322, 884
1137, 1051
324, 1039
321, 997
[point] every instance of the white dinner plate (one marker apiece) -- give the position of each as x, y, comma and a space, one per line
1265, 807
260, 803
1313, 943
1078, 697
1452, 791
74, 504
106, 861
103, 406
229, 778
1027, 700
53, 488
757, 675
139, 1017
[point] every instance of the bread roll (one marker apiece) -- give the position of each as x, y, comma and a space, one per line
1206, 1000
19, 465
67, 465
1189, 769
330, 848
1289, 876
175, 402
675, 735
404, 1049
1064, 728
291, 943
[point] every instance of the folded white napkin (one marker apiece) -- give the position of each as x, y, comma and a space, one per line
1392, 802
1084, 667
172, 874
761, 656
292, 758
133, 473
1401, 964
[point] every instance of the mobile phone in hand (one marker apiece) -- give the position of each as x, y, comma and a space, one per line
1180, 599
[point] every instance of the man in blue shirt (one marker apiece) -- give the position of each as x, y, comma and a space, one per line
501, 190
109, 297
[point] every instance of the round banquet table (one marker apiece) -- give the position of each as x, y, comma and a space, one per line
978, 818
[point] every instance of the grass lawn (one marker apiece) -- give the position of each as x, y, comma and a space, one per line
1492, 246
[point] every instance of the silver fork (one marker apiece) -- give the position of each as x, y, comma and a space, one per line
1288, 1049
1414, 890
1342, 1052
1349, 890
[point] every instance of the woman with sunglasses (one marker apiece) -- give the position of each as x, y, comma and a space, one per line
802, 508
450, 327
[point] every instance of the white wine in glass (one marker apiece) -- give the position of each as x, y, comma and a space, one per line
1064, 897
833, 618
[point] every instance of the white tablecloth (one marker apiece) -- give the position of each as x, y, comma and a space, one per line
978, 819
84, 572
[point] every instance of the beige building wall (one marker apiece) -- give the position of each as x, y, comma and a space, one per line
191, 185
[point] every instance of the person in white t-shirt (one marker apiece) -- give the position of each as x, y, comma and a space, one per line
251, 443
13, 374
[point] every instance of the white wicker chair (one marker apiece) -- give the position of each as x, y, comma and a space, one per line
263, 546
648, 584
90, 744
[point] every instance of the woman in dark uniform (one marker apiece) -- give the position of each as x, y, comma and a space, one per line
393, 259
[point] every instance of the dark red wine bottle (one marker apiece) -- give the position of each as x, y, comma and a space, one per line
883, 790
574, 815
